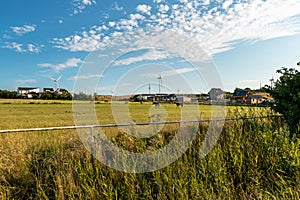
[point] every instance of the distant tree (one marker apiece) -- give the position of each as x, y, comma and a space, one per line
5, 94
82, 96
286, 93
47, 95
65, 95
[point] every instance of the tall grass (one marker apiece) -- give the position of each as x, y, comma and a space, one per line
253, 159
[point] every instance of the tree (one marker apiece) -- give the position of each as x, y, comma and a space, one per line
286, 93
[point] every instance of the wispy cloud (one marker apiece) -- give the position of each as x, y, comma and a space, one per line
117, 7
80, 5
215, 28
72, 62
20, 48
158, 1
22, 82
88, 76
173, 72
148, 56
21, 30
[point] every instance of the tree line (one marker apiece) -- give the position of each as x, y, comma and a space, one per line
62, 95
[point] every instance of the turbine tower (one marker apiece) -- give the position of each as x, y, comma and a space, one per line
56, 86
159, 82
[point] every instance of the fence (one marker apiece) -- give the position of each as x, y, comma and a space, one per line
91, 127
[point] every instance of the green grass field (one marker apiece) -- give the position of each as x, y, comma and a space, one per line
253, 159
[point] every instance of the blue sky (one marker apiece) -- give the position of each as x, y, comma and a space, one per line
244, 41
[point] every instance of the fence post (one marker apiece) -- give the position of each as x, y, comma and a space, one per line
92, 143
92, 134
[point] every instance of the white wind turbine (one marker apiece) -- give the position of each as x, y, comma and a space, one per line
56, 86
159, 82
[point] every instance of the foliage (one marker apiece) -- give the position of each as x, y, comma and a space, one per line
8, 94
286, 93
83, 96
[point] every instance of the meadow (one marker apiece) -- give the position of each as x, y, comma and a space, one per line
253, 159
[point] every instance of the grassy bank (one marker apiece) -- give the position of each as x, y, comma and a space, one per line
252, 160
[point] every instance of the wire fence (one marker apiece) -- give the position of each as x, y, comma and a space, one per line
91, 127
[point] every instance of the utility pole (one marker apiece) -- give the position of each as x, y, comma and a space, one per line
272, 81
149, 88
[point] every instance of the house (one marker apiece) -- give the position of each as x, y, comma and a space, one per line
48, 90
258, 98
154, 97
105, 98
255, 99
240, 96
183, 99
28, 91
142, 97
216, 94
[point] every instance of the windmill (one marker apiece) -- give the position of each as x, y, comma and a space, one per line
159, 82
56, 86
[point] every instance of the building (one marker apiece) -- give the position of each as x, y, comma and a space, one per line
166, 98
216, 94
183, 99
255, 99
105, 98
27, 91
48, 90
142, 97
258, 98
240, 96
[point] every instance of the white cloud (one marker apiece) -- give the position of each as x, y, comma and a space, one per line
117, 7
21, 30
163, 8
205, 2
89, 41
88, 76
72, 62
226, 4
215, 29
33, 48
20, 48
158, 1
80, 5
143, 8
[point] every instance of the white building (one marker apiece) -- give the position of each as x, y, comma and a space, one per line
183, 99
27, 91
216, 94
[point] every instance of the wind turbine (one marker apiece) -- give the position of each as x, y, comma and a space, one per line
159, 82
56, 86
